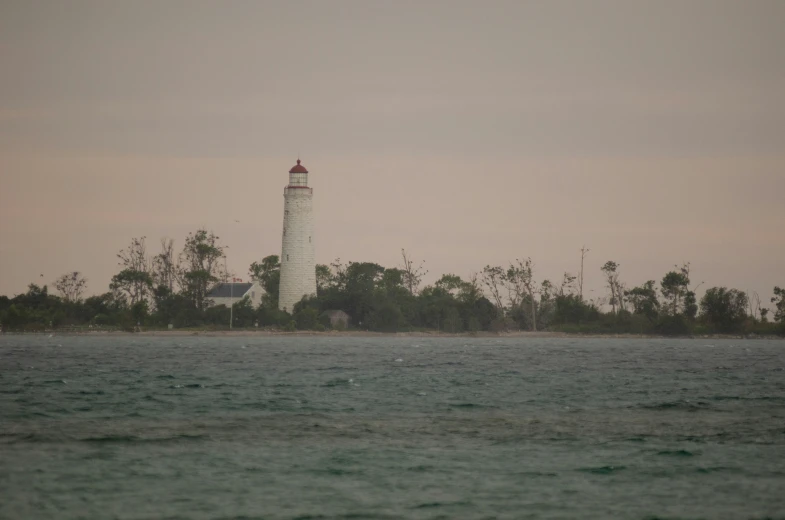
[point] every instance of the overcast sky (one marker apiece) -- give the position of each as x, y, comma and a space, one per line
467, 132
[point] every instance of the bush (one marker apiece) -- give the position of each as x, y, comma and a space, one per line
672, 325
386, 317
307, 319
267, 316
503, 325
570, 308
474, 324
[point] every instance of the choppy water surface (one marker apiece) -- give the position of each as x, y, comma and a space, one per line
329, 427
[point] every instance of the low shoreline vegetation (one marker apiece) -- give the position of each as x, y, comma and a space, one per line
165, 290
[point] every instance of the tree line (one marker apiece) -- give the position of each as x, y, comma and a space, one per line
168, 288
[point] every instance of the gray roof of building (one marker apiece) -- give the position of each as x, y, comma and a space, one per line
227, 290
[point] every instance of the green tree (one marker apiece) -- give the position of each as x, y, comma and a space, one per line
672, 325
674, 287
172, 308
307, 318
15, 317
519, 280
360, 290
616, 288
132, 284
779, 304
140, 311
567, 284
200, 266
71, 286
385, 316
135, 280
106, 305
690, 305
217, 315
478, 313
268, 274
450, 283
412, 274
471, 291
164, 266
571, 308
725, 309
323, 277
493, 279
272, 316
435, 306
466, 307
644, 300
243, 313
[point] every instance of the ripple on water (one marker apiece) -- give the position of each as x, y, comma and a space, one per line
573, 428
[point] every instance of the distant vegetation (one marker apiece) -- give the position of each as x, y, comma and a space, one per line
154, 291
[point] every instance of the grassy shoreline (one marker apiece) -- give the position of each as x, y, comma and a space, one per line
360, 333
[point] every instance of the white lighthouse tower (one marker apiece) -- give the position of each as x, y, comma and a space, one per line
298, 259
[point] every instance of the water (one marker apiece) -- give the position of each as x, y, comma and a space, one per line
371, 427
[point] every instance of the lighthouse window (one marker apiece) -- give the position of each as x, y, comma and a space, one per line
287, 257
309, 239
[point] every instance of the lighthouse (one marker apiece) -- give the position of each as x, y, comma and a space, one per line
298, 259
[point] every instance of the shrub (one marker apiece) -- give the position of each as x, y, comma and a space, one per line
673, 325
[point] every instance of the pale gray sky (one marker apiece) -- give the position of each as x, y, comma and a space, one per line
468, 132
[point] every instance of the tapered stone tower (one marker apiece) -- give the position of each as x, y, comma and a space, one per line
298, 259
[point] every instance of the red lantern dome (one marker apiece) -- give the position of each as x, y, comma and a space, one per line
298, 168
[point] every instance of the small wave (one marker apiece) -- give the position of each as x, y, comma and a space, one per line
740, 398
676, 453
636, 439
470, 405
111, 438
338, 382
678, 405
718, 469
340, 471
347, 516
431, 505
421, 468
13, 438
121, 439
536, 474
603, 470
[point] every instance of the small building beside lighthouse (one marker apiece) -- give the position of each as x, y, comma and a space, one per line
298, 258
